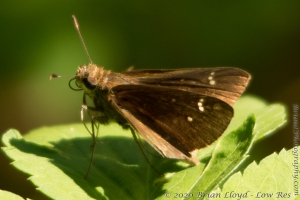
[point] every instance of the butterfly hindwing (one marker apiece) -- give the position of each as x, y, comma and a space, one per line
175, 122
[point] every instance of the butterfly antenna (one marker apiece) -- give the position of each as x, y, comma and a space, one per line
81, 38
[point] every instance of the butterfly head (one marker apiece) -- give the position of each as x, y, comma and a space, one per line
89, 76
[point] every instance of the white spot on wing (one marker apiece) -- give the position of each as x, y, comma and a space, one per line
189, 119
200, 104
211, 78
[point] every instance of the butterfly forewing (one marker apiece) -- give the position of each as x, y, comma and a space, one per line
184, 120
224, 83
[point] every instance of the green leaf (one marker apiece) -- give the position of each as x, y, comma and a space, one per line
9, 195
270, 179
57, 158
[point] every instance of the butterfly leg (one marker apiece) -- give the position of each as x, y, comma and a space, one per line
94, 116
136, 139
93, 145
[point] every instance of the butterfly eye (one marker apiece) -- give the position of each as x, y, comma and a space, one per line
89, 84
92, 80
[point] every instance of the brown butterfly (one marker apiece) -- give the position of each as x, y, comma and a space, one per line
176, 111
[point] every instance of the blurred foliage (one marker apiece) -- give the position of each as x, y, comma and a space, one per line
38, 38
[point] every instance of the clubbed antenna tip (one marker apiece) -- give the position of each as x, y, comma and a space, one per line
54, 76
81, 38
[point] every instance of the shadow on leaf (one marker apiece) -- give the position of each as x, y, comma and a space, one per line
119, 167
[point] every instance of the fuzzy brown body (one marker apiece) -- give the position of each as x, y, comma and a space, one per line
176, 111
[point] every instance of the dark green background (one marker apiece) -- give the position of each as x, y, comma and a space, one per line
38, 38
